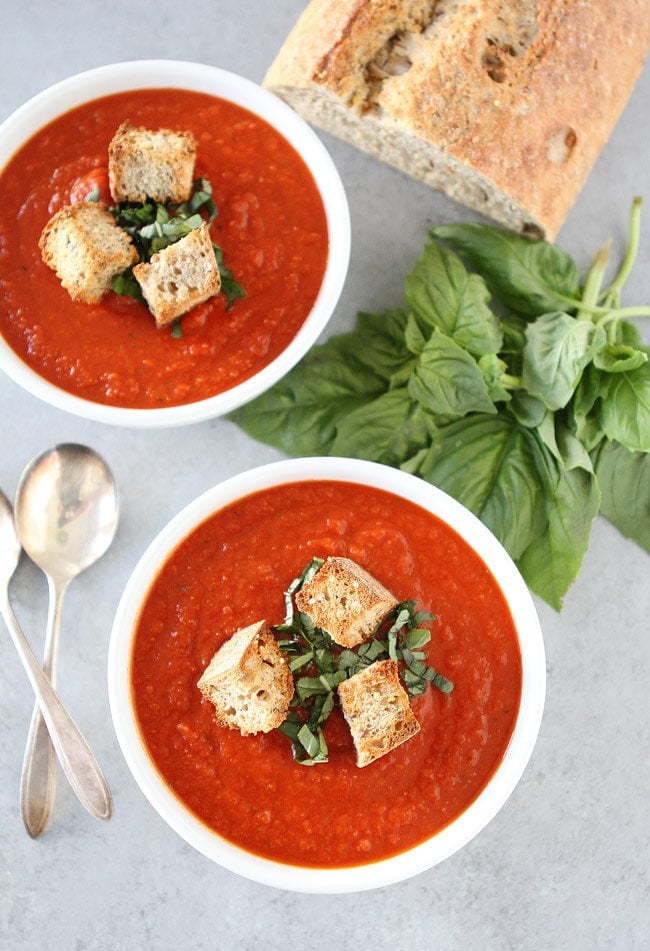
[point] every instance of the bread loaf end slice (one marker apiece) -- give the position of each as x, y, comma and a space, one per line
504, 105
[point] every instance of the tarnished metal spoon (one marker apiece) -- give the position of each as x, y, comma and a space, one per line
66, 515
77, 761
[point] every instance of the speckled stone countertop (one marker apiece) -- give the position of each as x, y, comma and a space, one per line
566, 863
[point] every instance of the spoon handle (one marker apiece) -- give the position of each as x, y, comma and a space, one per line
38, 778
77, 761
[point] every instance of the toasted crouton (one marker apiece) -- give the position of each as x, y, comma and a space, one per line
86, 249
249, 682
377, 709
143, 163
180, 276
346, 601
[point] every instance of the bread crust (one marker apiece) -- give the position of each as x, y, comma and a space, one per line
147, 163
180, 276
377, 710
346, 601
503, 104
86, 249
248, 681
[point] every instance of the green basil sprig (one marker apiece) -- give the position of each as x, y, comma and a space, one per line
507, 379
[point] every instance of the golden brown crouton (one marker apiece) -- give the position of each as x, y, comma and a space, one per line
249, 682
346, 601
86, 249
377, 709
180, 276
143, 163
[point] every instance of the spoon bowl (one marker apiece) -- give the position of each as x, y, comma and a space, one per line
66, 516
66, 510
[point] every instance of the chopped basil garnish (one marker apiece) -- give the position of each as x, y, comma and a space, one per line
153, 226
319, 665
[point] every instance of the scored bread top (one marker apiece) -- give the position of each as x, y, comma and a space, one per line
503, 104
346, 601
248, 681
377, 710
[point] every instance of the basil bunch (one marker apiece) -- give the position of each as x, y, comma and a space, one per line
506, 380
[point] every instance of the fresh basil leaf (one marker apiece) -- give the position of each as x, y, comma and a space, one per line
625, 414
384, 430
230, 288
312, 745
305, 576
414, 338
530, 277
558, 348
447, 380
443, 296
619, 358
300, 661
126, 285
628, 333
381, 345
528, 410
583, 409
200, 200
513, 328
416, 637
552, 561
299, 414
494, 467
494, 373
624, 480
566, 448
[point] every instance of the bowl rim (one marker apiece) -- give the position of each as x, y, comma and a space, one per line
450, 839
100, 81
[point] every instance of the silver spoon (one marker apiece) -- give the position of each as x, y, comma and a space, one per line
66, 516
77, 761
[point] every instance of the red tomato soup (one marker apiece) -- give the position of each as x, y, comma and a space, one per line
232, 571
271, 227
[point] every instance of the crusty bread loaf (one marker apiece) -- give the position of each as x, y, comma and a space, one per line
377, 710
147, 163
180, 276
86, 249
249, 682
502, 104
346, 601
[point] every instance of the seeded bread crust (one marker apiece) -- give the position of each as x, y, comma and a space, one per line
502, 104
145, 163
180, 276
377, 710
346, 601
86, 249
248, 681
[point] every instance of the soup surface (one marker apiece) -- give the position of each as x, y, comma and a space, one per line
232, 570
271, 227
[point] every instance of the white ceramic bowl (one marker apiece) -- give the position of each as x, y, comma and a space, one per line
441, 845
121, 77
